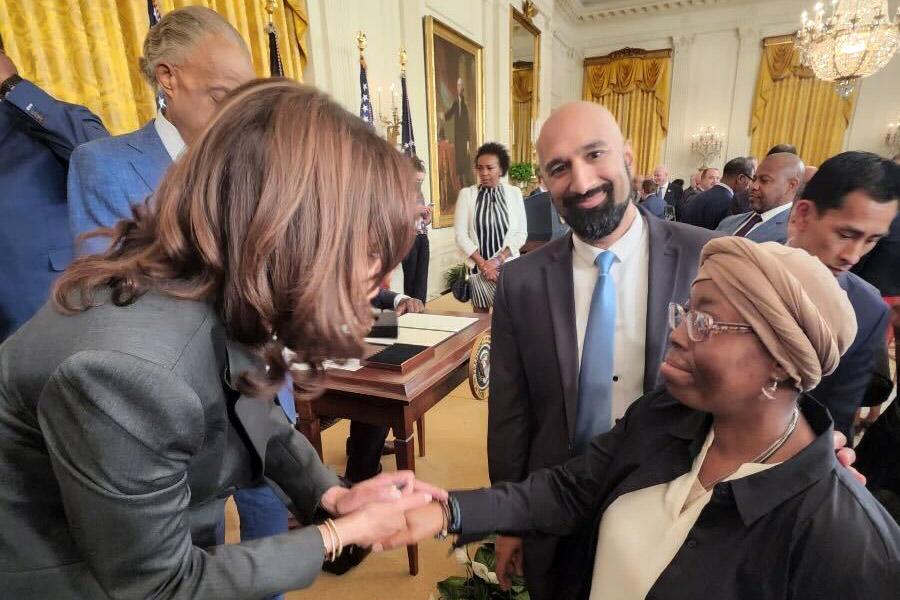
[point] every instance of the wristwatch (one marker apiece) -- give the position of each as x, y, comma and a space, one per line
8, 84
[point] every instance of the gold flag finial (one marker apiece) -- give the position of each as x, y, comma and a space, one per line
270, 8
361, 41
403, 59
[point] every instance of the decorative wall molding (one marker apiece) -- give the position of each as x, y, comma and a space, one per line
581, 14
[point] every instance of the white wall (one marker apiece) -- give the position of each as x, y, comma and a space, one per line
390, 24
716, 54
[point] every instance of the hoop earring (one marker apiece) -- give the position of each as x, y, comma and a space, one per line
769, 392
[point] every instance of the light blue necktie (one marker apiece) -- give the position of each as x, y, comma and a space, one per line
596, 375
286, 399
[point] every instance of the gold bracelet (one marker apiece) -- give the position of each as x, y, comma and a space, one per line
339, 546
329, 554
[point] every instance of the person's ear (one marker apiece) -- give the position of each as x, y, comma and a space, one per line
802, 213
628, 154
165, 79
779, 374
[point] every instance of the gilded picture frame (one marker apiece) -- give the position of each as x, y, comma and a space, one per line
454, 81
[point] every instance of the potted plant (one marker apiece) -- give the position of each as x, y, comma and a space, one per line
521, 174
480, 582
458, 282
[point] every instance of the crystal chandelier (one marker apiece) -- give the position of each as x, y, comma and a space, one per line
855, 41
892, 136
707, 144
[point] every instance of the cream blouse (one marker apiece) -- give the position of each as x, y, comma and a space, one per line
642, 531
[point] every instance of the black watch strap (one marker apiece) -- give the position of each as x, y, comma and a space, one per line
8, 84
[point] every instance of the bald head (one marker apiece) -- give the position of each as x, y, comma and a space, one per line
586, 163
777, 181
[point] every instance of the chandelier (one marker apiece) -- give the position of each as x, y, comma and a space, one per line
707, 144
892, 136
855, 41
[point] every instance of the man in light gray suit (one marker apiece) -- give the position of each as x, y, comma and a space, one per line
542, 315
778, 180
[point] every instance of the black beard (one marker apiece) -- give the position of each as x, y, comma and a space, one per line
592, 224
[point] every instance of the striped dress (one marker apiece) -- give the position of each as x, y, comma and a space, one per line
491, 226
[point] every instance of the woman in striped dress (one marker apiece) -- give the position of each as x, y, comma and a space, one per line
490, 223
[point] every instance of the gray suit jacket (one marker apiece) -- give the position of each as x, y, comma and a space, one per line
773, 230
121, 436
534, 358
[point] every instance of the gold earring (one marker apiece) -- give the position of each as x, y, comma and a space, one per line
769, 392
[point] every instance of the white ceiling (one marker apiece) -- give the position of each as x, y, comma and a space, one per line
589, 11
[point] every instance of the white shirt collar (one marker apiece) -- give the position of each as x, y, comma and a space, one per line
775, 211
725, 185
625, 247
169, 135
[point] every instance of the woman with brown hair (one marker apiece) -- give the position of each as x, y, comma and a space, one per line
142, 396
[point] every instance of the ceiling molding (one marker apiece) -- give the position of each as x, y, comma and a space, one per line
582, 14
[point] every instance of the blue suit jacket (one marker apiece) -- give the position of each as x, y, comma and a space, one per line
843, 391
708, 209
108, 176
655, 205
773, 230
37, 136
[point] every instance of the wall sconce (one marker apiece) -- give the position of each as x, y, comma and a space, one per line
707, 144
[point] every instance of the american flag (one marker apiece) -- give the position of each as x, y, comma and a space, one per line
275, 67
153, 15
152, 12
407, 136
365, 103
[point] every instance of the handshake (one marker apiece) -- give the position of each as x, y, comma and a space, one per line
382, 513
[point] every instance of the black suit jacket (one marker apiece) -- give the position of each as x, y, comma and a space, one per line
707, 209
674, 193
843, 391
881, 266
534, 358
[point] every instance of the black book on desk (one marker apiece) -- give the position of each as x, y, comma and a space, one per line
400, 357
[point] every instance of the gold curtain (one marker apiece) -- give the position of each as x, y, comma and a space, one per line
523, 103
86, 51
634, 86
791, 106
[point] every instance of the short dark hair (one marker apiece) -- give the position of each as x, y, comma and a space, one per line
738, 166
786, 148
417, 163
498, 150
648, 186
848, 172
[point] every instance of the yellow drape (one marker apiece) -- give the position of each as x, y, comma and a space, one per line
86, 51
634, 86
523, 103
791, 106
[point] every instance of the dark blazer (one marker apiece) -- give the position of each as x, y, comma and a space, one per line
843, 391
107, 177
707, 209
674, 191
384, 299
881, 266
534, 358
537, 215
121, 436
773, 230
654, 205
37, 136
804, 529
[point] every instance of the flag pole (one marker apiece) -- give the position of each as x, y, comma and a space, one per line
276, 68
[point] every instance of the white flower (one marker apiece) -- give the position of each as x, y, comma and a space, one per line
482, 571
461, 557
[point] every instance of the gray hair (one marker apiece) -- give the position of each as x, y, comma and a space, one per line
177, 33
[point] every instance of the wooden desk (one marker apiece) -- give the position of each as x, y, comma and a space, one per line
393, 399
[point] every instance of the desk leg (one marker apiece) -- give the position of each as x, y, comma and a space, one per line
310, 427
405, 447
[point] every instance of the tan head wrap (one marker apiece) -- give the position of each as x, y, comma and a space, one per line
791, 300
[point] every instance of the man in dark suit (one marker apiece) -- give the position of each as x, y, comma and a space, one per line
459, 112
668, 191
541, 329
651, 201
776, 183
37, 136
844, 210
709, 208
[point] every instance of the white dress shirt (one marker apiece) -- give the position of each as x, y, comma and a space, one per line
771, 213
171, 139
630, 272
662, 190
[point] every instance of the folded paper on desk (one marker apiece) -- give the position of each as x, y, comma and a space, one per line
418, 337
434, 322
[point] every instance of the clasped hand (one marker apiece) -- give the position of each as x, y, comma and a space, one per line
375, 511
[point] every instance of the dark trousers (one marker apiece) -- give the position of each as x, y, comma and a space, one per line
364, 450
415, 268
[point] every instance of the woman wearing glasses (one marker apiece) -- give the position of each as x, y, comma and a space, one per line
725, 484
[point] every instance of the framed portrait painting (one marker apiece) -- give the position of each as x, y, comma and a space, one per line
455, 90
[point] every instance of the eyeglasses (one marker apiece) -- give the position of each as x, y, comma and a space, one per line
700, 326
